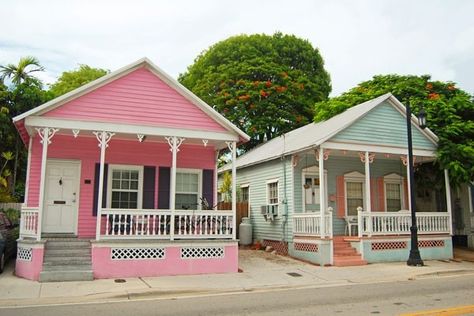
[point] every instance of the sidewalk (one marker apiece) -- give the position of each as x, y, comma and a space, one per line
261, 271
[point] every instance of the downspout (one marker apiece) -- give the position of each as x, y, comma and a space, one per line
285, 199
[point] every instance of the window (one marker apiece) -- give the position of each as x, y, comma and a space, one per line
125, 187
188, 189
393, 192
244, 193
272, 192
354, 186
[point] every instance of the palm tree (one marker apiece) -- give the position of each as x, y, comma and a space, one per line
21, 72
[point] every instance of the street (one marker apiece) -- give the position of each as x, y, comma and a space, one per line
379, 299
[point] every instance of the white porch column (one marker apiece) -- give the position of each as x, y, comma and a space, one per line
322, 200
174, 143
368, 206
46, 134
103, 137
408, 185
233, 149
28, 165
448, 200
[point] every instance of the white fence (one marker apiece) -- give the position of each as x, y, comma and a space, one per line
161, 224
399, 223
29, 222
309, 224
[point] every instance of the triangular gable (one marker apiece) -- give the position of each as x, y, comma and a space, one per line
383, 125
141, 98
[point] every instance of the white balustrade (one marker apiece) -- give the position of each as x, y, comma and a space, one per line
29, 222
309, 224
156, 224
399, 223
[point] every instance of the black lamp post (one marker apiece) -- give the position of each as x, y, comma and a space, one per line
415, 258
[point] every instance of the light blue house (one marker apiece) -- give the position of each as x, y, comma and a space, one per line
353, 167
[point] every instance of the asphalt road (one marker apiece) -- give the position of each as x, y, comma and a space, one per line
369, 299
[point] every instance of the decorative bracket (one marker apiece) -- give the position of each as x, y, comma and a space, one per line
107, 137
174, 142
46, 133
75, 132
230, 145
204, 142
404, 159
371, 157
326, 153
141, 137
294, 160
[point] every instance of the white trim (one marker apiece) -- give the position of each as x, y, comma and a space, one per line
272, 180
245, 185
143, 62
113, 167
199, 193
38, 121
359, 146
312, 173
28, 166
358, 177
267, 197
394, 178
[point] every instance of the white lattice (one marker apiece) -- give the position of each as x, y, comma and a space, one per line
388, 245
304, 246
137, 253
25, 254
202, 252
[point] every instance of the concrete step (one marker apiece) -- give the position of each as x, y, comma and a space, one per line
66, 260
68, 252
63, 244
71, 275
68, 267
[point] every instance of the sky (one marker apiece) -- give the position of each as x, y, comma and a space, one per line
357, 39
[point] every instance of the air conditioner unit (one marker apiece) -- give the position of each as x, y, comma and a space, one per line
269, 212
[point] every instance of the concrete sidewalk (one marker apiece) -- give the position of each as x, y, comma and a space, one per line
261, 271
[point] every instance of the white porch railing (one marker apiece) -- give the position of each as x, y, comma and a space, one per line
156, 224
309, 224
399, 223
29, 222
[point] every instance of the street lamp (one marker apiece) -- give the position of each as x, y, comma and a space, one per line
414, 259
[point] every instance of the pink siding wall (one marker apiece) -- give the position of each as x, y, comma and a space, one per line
87, 151
30, 269
137, 98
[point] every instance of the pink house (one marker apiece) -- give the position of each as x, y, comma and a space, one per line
122, 179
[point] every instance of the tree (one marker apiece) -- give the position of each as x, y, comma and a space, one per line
22, 71
266, 85
70, 80
450, 115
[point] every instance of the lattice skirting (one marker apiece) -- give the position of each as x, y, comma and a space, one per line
202, 252
392, 245
430, 243
24, 254
304, 246
281, 247
137, 253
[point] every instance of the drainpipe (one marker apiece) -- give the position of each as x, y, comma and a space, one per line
285, 200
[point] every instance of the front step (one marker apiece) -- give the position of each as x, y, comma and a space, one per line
66, 259
345, 255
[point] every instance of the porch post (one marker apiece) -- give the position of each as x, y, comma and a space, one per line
408, 185
368, 203
174, 143
46, 134
233, 148
322, 201
448, 200
215, 179
103, 137
28, 165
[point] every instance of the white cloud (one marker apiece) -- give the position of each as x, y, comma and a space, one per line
358, 39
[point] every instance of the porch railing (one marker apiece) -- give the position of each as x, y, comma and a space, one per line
29, 222
399, 223
156, 224
309, 224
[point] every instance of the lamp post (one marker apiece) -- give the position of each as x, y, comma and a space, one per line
414, 259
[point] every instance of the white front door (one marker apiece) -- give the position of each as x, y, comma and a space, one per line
61, 196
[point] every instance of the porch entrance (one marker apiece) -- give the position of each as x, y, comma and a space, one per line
61, 196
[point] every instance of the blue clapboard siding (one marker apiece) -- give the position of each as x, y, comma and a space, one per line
338, 166
384, 125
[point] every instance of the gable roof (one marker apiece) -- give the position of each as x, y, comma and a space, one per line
143, 62
297, 140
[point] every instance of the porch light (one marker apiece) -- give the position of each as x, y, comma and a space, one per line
414, 259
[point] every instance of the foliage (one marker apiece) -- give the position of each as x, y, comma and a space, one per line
226, 186
4, 171
266, 85
450, 115
70, 80
22, 72
13, 215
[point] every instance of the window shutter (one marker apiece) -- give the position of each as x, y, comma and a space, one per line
149, 177
381, 193
406, 193
373, 195
96, 188
164, 174
340, 198
208, 186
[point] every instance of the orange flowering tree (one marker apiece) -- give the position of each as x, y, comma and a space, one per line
450, 115
266, 85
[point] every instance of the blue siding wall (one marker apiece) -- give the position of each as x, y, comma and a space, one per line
384, 125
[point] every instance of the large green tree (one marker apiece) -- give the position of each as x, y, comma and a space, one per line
70, 80
450, 115
266, 85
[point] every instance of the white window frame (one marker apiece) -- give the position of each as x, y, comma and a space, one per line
394, 178
313, 172
267, 190
194, 171
110, 170
245, 186
357, 177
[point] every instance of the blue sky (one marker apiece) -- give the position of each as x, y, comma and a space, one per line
357, 39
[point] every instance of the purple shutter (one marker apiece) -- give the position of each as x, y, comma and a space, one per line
164, 174
96, 188
149, 176
208, 186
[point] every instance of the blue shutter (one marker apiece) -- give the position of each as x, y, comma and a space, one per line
208, 186
149, 176
96, 188
164, 174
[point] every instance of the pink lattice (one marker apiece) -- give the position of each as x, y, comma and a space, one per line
304, 246
280, 246
388, 245
430, 243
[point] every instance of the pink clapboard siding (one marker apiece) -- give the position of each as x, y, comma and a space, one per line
125, 152
140, 98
